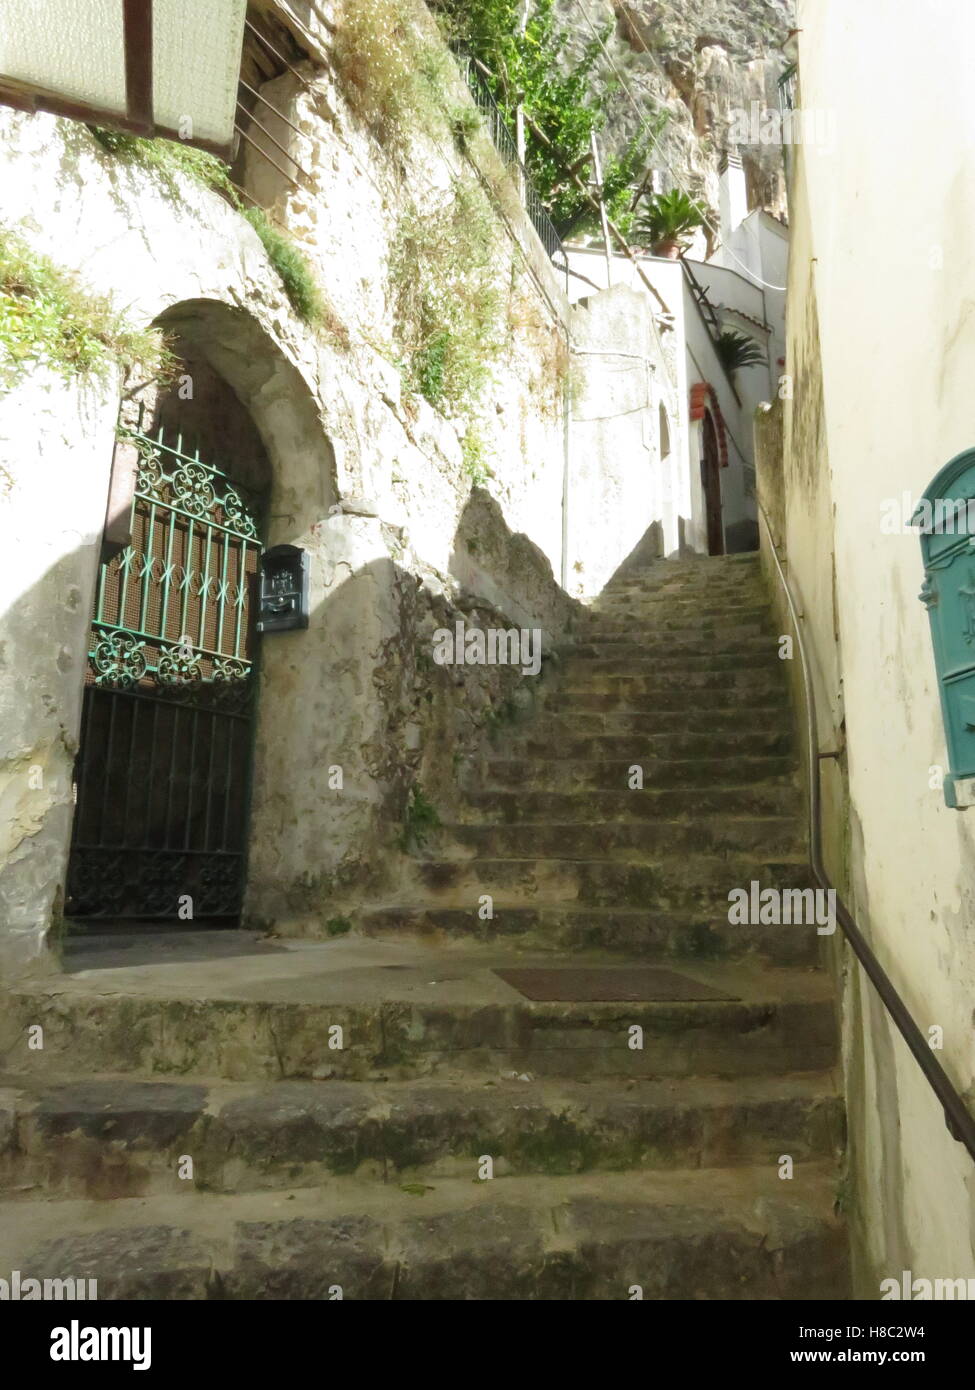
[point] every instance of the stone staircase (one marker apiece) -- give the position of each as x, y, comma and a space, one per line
362, 1169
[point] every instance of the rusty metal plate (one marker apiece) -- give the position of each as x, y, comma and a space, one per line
593, 985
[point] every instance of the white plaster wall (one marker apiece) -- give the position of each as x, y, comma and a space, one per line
48, 540
892, 205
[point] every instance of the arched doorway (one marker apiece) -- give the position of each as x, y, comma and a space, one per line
163, 770
711, 482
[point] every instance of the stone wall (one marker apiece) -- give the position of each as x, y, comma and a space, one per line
374, 482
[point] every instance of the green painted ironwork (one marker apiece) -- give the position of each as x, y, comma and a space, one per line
164, 761
945, 517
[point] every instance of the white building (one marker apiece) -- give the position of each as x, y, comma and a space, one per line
707, 489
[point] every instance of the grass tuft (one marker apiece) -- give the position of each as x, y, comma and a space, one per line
48, 318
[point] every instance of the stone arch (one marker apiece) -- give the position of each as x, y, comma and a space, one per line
238, 405
276, 396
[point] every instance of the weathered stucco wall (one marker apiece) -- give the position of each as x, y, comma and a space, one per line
882, 400
373, 482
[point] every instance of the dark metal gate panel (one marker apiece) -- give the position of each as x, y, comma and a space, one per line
163, 768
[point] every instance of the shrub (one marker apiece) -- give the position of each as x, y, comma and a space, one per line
47, 317
444, 276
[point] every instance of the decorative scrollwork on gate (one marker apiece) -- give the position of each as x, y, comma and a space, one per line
193, 489
119, 660
236, 516
179, 672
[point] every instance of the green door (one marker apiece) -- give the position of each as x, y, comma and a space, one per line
163, 769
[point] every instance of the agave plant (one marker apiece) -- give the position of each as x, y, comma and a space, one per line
667, 218
738, 350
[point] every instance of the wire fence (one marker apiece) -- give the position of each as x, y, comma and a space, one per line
506, 146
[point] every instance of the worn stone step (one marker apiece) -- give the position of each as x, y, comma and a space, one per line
677, 722
749, 592
689, 700
752, 603
687, 881
740, 1233
631, 840
627, 647
412, 1012
679, 579
692, 627
655, 681
701, 934
111, 1138
612, 775
558, 738
764, 663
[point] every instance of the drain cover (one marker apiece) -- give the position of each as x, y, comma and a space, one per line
587, 985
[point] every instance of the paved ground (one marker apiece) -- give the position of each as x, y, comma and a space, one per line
242, 965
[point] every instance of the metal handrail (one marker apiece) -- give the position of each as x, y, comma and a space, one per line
958, 1118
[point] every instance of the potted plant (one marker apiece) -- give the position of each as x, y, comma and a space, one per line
666, 220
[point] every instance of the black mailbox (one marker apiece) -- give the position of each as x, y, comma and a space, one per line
284, 589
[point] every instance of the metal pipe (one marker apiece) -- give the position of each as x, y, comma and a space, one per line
261, 150
960, 1122
269, 104
264, 131
280, 56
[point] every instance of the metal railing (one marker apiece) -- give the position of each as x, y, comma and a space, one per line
504, 143
961, 1124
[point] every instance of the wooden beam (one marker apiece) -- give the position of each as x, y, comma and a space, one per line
137, 18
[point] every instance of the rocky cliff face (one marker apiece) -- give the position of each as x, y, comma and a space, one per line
701, 61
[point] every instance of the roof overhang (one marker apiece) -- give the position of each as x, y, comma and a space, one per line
149, 67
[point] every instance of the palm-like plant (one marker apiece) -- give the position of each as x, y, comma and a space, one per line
738, 350
667, 218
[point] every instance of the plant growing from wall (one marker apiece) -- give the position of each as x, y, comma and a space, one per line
666, 219
170, 159
475, 455
736, 350
394, 74
446, 298
419, 820
47, 318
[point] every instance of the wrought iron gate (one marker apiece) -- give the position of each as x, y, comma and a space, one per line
160, 825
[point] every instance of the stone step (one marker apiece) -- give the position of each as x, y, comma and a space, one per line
643, 662
629, 840
722, 605
689, 701
693, 627
739, 1233
708, 776
702, 934
752, 604
749, 592
738, 684
653, 647
671, 724
674, 576
691, 880
449, 1014
109, 1138
558, 738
